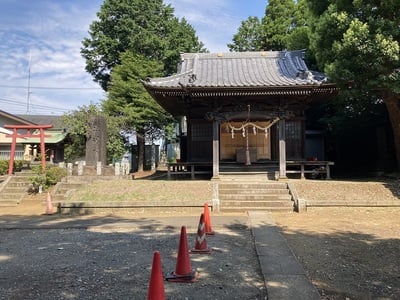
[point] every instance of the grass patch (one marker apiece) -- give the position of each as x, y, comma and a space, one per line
152, 191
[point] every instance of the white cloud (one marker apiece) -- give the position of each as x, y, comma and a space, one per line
52, 32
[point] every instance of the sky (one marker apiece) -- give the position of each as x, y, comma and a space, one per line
41, 68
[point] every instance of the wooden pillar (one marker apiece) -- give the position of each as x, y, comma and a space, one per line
42, 150
12, 154
215, 148
282, 148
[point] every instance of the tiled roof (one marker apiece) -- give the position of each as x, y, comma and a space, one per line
53, 136
43, 119
240, 70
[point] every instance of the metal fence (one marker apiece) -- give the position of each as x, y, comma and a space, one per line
5, 155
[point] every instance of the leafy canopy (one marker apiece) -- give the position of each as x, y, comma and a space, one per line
146, 27
128, 99
284, 26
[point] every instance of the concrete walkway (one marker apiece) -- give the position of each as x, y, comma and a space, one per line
284, 277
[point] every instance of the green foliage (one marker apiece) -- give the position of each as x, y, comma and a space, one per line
3, 167
357, 44
130, 102
248, 37
18, 163
146, 27
357, 41
277, 24
284, 26
50, 177
130, 40
78, 127
55, 174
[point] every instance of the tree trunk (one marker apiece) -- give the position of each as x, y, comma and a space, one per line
392, 102
140, 141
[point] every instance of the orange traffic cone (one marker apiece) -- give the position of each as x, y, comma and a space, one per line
49, 205
207, 220
201, 242
156, 286
183, 271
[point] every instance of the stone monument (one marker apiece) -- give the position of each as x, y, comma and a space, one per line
96, 141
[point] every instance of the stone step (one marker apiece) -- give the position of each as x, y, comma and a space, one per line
252, 186
5, 195
18, 183
249, 191
18, 188
245, 209
254, 197
232, 177
272, 203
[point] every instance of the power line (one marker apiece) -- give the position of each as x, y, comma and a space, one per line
48, 87
18, 103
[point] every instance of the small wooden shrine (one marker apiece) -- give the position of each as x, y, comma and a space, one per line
241, 108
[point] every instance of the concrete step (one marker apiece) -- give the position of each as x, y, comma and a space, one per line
5, 195
239, 177
12, 183
272, 203
253, 184
250, 191
245, 209
253, 193
254, 197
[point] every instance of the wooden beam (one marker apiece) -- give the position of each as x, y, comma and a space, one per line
282, 148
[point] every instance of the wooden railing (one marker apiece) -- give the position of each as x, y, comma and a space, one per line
310, 166
188, 168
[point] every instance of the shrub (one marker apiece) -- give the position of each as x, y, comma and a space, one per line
50, 177
3, 167
18, 164
54, 174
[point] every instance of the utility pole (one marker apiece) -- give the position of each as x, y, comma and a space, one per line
29, 85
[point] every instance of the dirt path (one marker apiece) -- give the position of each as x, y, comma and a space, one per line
348, 253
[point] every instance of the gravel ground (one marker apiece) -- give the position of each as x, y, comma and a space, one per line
114, 261
348, 253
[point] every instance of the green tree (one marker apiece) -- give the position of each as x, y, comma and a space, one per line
136, 33
357, 44
277, 24
248, 37
299, 35
129, 101
146, 27
77, 126
284, 26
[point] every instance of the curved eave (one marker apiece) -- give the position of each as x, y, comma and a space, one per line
201, 92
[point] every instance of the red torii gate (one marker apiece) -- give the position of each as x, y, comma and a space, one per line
28, 133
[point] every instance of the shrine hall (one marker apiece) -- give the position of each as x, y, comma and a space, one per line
242, 109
